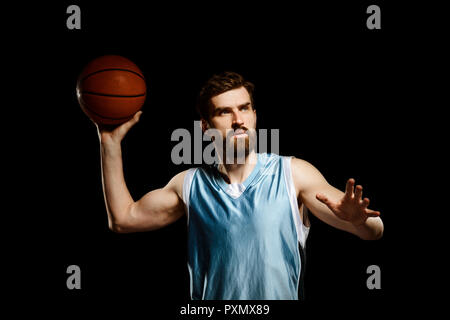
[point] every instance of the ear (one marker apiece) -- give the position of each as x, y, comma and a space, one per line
205, 125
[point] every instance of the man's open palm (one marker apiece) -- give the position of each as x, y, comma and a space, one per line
351, 207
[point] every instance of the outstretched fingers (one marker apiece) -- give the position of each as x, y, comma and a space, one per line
349, 188
352, 192
365, 203
358, 193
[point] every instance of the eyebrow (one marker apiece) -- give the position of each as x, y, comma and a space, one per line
218, 109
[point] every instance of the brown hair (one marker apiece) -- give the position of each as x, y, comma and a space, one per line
218, 84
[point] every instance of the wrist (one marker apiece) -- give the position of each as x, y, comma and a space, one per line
360, 223
110, 148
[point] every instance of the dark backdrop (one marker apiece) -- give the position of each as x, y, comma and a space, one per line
332, 87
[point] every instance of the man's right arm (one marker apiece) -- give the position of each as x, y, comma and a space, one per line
154, 210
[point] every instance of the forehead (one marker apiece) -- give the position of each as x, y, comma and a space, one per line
231, 98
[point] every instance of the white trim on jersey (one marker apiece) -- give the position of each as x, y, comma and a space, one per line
187, 189
302, 230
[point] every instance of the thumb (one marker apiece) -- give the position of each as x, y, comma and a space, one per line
372, 213
125, 127
324, 199
136, 117
133, 120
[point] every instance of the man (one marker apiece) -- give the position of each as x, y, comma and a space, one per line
245, 221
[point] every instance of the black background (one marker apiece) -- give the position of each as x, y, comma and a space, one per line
334, 89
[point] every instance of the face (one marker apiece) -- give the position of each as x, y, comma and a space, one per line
233, 114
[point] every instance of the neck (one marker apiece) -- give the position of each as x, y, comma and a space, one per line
237, 173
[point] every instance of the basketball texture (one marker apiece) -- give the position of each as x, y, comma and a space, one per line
111, 89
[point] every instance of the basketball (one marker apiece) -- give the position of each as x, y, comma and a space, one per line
111, 89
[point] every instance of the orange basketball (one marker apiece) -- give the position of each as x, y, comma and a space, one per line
111, 89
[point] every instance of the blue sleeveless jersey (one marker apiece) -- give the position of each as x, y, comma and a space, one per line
243, 239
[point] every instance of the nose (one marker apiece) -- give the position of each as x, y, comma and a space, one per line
237, 119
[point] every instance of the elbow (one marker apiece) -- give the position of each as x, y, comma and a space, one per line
379, 234
117, 226
376, 234
119, 223
380, 230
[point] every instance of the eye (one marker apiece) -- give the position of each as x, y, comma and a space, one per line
224, 111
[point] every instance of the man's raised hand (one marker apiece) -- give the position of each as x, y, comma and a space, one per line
115, 134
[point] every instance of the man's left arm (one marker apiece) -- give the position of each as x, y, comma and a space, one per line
345, 211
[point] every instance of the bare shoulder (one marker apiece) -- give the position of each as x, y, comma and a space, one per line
304, 174
299, 163
176, 183
300, 166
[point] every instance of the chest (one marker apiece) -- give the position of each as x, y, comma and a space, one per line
260, 209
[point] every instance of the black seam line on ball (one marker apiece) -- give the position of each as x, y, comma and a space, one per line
101, 116
112, 69
113, 95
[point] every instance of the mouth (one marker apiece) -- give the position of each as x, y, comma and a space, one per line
240, 133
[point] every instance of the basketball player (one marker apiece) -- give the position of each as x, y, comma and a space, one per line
247, 223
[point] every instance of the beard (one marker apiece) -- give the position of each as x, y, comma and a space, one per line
236, 149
